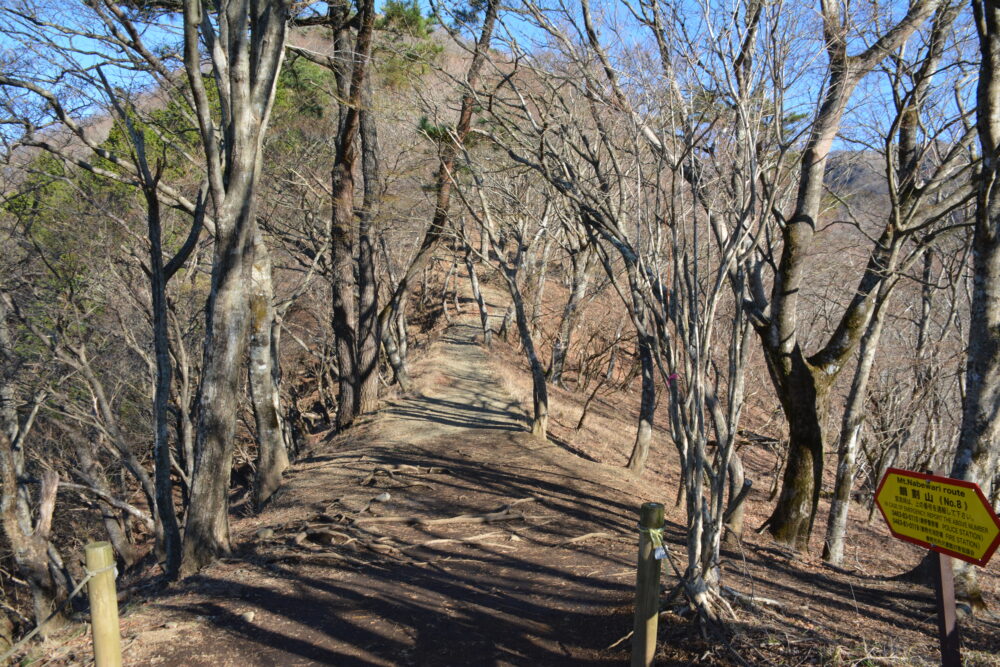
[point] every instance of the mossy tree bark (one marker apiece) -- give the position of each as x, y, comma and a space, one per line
801, 382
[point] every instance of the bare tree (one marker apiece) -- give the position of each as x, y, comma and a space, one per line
515, 217
802, 379
450, 146
919, 199
27, 525
976, 454
245, 45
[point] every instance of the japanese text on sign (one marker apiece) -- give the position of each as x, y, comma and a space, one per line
950, 516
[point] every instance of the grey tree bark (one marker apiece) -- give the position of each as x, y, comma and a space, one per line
976, 454
245, 42
580, 259
262, 371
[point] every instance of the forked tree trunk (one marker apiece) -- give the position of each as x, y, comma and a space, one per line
802, 388
247, 54
206, 532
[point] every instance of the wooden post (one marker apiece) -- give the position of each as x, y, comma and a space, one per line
103, 605
944, 584
647, 588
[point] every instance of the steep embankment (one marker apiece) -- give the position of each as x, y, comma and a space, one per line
380, 550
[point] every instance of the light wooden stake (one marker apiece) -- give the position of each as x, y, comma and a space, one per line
647, 587
103, 605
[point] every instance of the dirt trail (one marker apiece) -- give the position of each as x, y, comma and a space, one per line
358, 591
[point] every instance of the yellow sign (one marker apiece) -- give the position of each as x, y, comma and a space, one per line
950, 516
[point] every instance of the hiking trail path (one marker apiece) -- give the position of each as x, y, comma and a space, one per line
318, 578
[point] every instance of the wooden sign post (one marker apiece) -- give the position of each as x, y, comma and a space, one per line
952, 518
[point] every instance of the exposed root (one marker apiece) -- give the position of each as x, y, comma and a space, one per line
456, 540
503, 514
621, 640
402, 469
750, 601
581, 538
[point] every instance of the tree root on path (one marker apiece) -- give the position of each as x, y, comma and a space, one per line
581, 538
350, 535
402, 469
458, 540
505, 513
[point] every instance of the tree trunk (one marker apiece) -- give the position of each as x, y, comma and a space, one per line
540, 394
802, 387
505, 322
93, 476
484, 313
185, 426
975, 457
206, 531
272, 453
452, 273
739, 487
30, 542
581, 263
344, 288
539, 293
368, 334
344, 283
247, 54
850, 432
28, 539
169, 528
394, 353
804, 401
647, 408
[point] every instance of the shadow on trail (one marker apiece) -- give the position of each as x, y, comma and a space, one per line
550, 585
487, 610
475, 414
